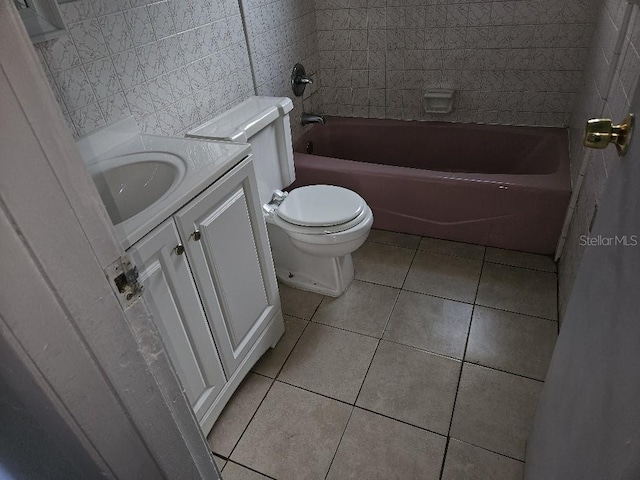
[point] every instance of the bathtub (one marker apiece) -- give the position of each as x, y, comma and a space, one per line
499, 186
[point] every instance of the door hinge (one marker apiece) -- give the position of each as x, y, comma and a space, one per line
123, 277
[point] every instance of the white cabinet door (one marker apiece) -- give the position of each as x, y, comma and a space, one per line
173, 299
231, 261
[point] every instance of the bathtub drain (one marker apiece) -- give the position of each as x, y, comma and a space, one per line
309, 147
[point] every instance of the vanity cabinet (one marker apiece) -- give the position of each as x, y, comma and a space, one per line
173, 299
226, 244
210, 282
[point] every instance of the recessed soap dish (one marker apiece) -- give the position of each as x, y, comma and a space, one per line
438, 100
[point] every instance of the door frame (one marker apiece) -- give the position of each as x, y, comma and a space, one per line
96, 377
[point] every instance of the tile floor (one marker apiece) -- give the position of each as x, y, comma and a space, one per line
430, 366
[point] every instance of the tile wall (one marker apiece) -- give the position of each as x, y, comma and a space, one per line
174, 63
512, 62
282, 33
171, 64
597, 99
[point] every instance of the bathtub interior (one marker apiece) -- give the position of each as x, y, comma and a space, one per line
439, 146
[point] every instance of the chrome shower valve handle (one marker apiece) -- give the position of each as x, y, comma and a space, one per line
299, 79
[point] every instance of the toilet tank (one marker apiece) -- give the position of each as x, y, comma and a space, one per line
264, 123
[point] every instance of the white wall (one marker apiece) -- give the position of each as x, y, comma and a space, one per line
597, 99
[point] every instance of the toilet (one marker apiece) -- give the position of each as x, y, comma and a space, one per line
313, 230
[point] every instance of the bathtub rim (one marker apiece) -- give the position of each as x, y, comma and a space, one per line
556, 182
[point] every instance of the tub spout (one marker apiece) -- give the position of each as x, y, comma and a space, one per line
307, 118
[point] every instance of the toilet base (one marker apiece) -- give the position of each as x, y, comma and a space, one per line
331, 278
328, 276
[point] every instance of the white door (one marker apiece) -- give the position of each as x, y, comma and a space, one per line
231, 261
173, 299
92, 376
588, 421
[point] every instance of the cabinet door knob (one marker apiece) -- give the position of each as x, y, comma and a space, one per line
196, 235
179, 249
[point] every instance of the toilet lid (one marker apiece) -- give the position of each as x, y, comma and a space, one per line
321, 206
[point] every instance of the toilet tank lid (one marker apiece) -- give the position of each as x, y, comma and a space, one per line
244, 120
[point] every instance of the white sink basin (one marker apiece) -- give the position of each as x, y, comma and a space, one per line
144, 179
131, 183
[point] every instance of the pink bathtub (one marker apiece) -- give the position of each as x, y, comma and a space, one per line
492, 185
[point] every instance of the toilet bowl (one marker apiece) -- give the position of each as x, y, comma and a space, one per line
313, 230
322, 220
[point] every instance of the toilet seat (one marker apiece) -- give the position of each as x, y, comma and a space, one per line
327, 230
321, 206
320, 210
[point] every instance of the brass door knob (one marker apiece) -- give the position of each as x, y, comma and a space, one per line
600, 132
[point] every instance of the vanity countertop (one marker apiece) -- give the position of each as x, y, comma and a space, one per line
204, 161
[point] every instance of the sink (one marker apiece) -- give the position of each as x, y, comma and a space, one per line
131, 183
144, 179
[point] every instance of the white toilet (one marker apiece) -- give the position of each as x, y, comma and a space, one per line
313, 230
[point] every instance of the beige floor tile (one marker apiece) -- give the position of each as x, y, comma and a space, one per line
430, 323
519, 290
520, 259
233, 471
298, 303
364, 308
495, 410
512, 342
447, 247
411, 385
220, 462
468, 462
394, 238
375, 447
330, 361
273, 359
383, 264
294, 435
237, 413
444, 276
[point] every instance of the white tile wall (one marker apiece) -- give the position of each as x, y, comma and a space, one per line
171, 64
512, 62
282, 33
595, 100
